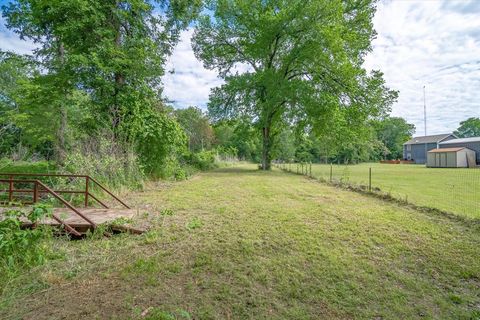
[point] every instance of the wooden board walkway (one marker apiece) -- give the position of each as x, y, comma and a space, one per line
99, 216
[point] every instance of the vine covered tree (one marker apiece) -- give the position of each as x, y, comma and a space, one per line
292, 62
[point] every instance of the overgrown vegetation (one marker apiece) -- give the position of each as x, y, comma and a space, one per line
21, 249
96, 76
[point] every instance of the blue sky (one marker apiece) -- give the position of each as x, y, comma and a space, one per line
419, 42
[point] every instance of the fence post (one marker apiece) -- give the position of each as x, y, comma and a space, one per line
10, 189
331, 172
87, 180
370, 179
310, 169
35, 192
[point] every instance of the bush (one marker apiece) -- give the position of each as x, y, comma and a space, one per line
21, 249
160, 142
203, 160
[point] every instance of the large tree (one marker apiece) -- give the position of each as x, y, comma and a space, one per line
292, 62
468, 128
393, 132
112, 50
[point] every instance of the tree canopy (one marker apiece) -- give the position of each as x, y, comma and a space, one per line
393, 132
292, 63
468, 128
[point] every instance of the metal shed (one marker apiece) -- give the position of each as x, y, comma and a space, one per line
472, 143
451, 158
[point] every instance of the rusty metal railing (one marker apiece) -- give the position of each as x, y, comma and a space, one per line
38, 187
86, 192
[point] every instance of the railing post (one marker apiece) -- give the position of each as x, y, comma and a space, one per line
331, 172
10, 189
87, 180
310, 169
35, 192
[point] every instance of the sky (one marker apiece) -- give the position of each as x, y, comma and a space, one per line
431, 43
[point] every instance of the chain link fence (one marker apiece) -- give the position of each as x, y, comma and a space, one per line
453, 190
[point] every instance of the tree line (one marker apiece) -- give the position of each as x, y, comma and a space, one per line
94, 77
294, 82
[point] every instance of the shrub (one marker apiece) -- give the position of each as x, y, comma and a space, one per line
21, 249
160, 142
203, 160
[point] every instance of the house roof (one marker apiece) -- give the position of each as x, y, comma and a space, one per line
462, 140
446, 150
428, 139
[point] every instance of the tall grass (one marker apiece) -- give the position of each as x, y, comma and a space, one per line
21, 249
111, 163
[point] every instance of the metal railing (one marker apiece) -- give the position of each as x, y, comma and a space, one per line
39, 188
89, 181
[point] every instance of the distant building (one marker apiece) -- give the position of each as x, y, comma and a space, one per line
416, 149
470, 143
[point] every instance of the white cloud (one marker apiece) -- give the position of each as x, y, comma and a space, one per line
9, 41
190, 83
431, 43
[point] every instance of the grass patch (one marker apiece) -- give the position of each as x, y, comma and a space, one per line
8, 166
269, 246
454, 190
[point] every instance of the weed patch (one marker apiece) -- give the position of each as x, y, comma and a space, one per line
22, 249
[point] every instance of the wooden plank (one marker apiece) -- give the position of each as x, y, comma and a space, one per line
99, 216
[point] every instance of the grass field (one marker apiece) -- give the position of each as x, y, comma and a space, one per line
453, 190
237, 243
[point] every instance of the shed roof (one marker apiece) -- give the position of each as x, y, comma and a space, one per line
428, 139
462, 140
446, 150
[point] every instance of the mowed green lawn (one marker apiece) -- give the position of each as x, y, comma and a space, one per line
237, 243
453, 190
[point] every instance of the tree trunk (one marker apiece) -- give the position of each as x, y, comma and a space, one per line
267, 144
62, 127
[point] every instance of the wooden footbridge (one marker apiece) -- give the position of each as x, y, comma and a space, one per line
23, 189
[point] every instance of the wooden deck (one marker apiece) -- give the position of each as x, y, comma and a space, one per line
98, 216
